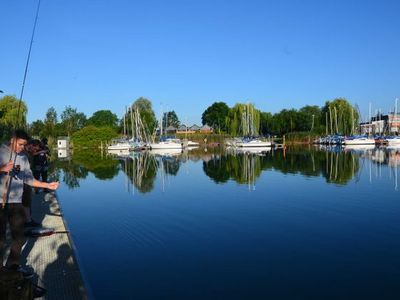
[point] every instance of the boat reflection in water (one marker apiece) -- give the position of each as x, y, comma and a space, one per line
249, 150
166, 152
119, 152
377, 158
360, 148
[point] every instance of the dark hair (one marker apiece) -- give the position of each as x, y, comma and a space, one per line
34, 142
20, 134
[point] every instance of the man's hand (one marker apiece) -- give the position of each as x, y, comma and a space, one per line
7, 167
53, 185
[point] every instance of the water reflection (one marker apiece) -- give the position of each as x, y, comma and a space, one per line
141, 171
337, 165
379, 158
245, 167
78, 164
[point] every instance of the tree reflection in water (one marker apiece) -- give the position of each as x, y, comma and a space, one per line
336, 165
245, 167
141, 169
77, 167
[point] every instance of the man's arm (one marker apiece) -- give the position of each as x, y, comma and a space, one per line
45, 185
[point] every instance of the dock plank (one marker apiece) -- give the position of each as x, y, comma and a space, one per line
52, 257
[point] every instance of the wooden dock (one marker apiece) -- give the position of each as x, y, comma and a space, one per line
53, 257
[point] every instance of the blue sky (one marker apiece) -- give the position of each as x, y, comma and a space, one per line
185, 55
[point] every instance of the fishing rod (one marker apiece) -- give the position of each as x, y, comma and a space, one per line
41, 232
8, 180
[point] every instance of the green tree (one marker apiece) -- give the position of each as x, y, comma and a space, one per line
72, 120
244, 120
340, 116
12, 112
50, 123
215, 116
266, 123
147, 115
91, 136
170, 119
36, 128
103, 118
309, 119
287, 120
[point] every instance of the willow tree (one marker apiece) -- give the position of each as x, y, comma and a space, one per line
340, 117
243, 120
147, 115
12, 112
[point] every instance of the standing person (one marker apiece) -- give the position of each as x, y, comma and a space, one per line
14, 172
32, 147
40, 163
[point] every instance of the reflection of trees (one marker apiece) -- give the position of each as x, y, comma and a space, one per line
101, 167
141, 169
341, 167
243, 168
171, 165
72, 172
79, 166
337, 167
217, 168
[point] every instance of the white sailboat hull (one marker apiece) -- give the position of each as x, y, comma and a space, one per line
166, 152
359, 141
252, 144
165, 145
393, 141
120, 146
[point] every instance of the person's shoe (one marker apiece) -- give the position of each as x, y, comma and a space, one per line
32, 223
38, 291
25, 272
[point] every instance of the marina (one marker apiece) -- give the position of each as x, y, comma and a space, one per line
221, 224
200, 150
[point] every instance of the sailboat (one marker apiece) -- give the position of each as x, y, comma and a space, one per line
355, 140
395, 139
121, 144
253, 142
249, 131
139, 138
165, 143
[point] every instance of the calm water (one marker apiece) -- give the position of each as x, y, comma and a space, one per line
302, 224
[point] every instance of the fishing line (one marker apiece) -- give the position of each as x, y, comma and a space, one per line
27, 62
8, 181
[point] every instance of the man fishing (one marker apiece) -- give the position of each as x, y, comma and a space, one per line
14, 172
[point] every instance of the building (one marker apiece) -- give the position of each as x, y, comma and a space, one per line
206, 129
183, 129
63, 142
382, 124
171, 129
195, 128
